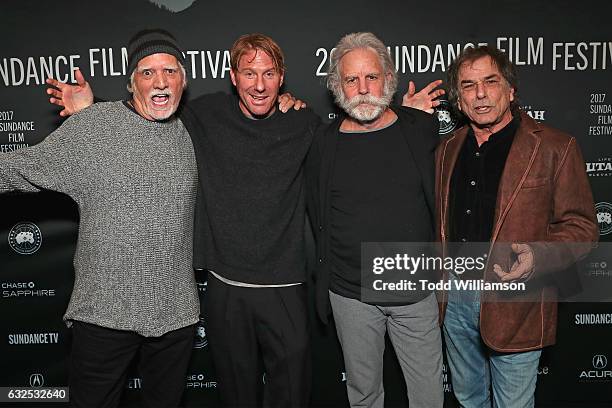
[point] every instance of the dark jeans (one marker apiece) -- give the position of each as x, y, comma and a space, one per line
248, 327
100, 359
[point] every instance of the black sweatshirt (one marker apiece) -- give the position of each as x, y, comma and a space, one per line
250, 216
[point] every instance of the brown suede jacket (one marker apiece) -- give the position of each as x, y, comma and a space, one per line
544, 199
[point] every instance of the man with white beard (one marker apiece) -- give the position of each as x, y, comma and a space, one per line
371, 179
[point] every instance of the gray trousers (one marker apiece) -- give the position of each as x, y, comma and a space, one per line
415, 335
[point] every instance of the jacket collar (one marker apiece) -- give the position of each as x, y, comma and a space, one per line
520, 159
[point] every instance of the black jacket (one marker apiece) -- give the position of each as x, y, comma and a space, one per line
421, 133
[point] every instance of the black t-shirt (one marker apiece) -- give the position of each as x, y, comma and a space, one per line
376, 196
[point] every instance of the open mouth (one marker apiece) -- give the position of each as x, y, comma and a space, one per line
160, 99
258, 99
483, 109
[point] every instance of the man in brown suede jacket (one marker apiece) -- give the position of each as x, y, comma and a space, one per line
520, 187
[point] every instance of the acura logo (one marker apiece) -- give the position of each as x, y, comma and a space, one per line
37, 380
600, 361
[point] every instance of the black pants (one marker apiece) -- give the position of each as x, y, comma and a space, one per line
100, 359
250, 326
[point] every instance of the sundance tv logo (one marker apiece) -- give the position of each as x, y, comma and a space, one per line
599, 372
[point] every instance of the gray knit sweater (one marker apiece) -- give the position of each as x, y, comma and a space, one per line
135, 184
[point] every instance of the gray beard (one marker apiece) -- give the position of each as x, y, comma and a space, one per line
375, 107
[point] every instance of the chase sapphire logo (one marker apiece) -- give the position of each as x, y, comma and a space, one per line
200, 337
25, 238
448, 121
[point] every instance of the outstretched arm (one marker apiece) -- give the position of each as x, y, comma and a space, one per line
426, 99
72, 98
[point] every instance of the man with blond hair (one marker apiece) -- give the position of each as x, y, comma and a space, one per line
250, 227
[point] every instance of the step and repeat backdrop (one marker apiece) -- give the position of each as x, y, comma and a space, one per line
563, 51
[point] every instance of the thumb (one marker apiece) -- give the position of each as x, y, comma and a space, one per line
78, 75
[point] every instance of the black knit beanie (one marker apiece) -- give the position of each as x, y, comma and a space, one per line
149, 42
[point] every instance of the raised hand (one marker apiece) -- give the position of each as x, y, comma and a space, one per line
72, 98
425, 99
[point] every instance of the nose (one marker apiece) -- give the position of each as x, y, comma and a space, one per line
481, 91
160, 81
363, 87
259, 85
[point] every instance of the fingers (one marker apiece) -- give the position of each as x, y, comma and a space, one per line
285, 102
498, 270
52, 82
299, 104
434, 84
520, 248
437, 93
411, 89
54, 93
515, 273
57, 101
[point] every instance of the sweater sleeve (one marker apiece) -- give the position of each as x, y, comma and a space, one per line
46, 165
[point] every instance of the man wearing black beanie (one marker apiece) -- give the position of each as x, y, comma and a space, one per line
249, 231
131, 168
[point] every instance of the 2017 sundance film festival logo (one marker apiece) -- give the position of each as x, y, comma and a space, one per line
598, 373
600, 111
25, 238
604, 217
448, 121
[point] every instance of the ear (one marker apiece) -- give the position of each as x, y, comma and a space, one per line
233, 76
511, 94
282, 80
459, 104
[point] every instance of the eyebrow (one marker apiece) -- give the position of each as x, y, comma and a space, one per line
164, 67
485, 78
